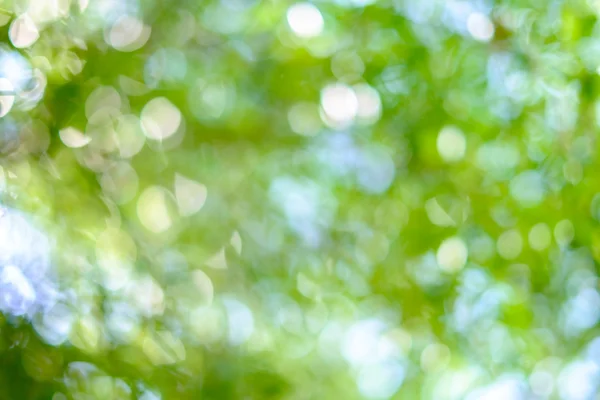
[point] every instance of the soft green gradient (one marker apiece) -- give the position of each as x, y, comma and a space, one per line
268, 200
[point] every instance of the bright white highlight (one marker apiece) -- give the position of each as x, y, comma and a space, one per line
16, 69
305, 20
73, 138
152, 210
7, 97
578, 381
451, 144
369, 103
452, 254
339, 103
362, 342
528, 188
128, 34
17, 295
480, 27
23, 32
160, 119
190, 195
25, 287
382, 380
367, 348
240, 320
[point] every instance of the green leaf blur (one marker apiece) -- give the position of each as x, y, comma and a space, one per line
346, 199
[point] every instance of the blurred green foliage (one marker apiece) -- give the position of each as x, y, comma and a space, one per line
273, 200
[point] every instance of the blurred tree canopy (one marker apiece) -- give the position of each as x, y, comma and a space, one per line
357, 199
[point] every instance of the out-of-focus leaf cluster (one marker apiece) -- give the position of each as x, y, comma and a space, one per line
274, 200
